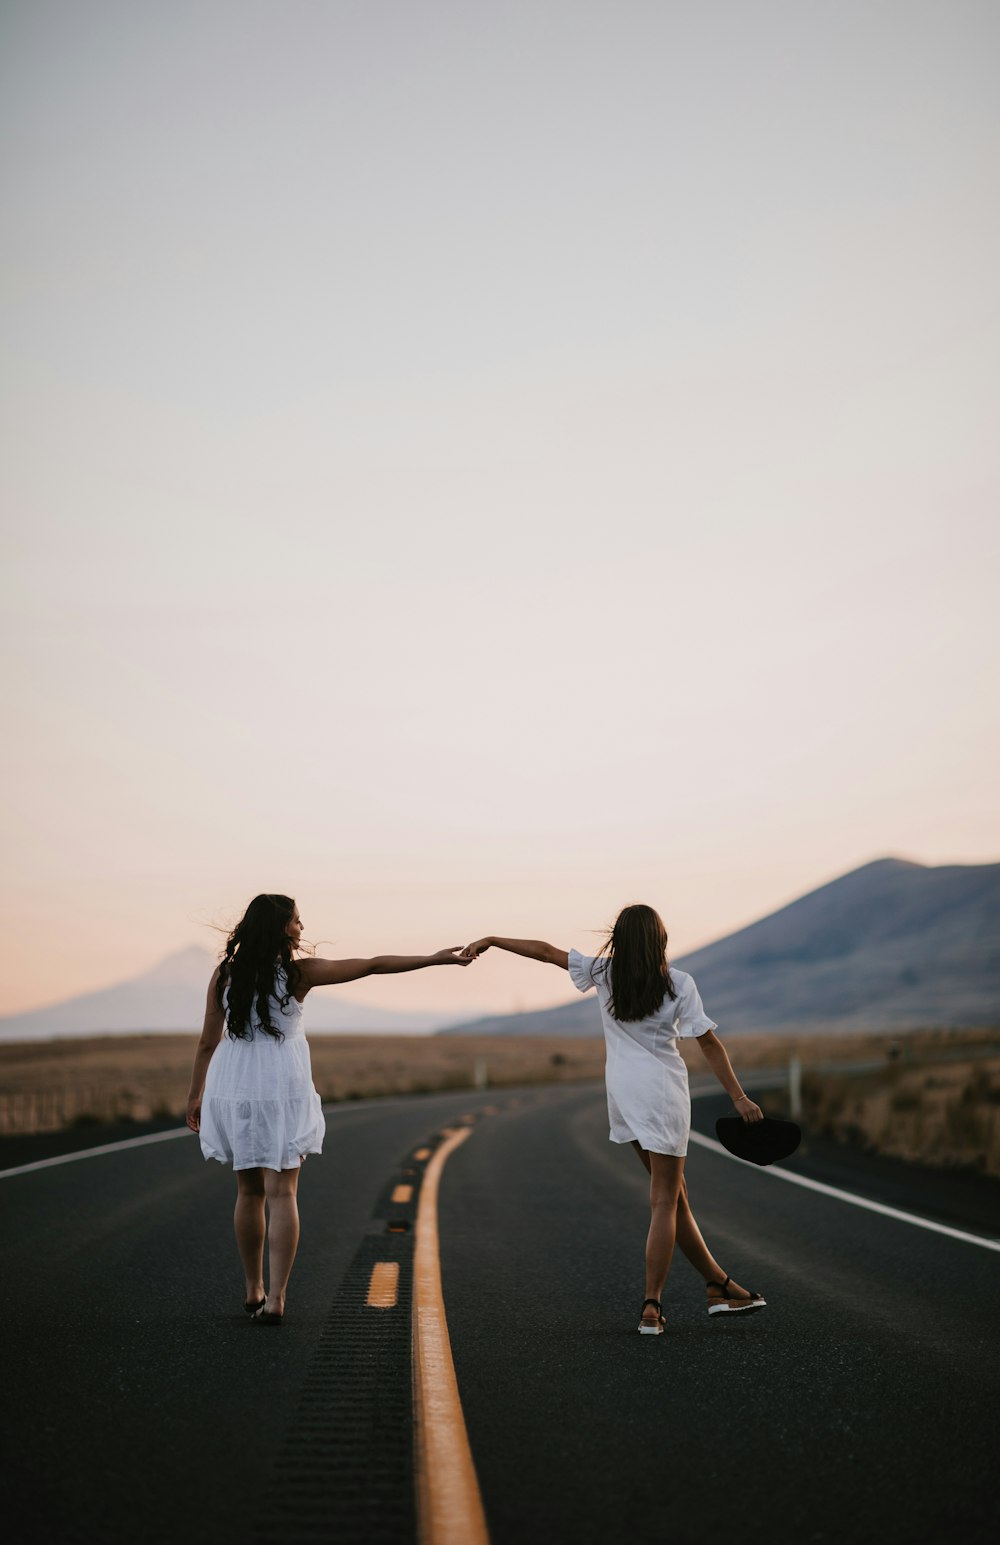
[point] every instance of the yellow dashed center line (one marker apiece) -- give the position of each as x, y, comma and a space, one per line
383, 1289
449, 1507
422, 1153
402, 1193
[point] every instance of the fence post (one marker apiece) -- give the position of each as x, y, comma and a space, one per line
481, 1074
795, 1087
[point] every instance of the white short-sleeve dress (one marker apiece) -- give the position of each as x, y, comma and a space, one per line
648, 1096
260, 1107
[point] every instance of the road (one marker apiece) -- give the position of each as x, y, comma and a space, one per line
139, 1404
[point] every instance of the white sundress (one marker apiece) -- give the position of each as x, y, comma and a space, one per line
648, 1095
260, 1107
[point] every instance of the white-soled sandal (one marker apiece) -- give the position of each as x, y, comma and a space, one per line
652, 1330
729, 1305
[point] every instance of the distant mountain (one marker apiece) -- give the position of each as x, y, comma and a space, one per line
893, 945
171, 996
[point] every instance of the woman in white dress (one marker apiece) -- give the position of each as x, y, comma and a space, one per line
646, 1008
252, 1098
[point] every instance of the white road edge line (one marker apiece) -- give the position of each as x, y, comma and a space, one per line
849, 1196
92, 1153
156, 1137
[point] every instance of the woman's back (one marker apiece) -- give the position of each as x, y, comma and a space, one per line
676, 1018
260, 1106
647, 1084
287, 1019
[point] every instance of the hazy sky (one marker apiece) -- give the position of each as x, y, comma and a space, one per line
474, 465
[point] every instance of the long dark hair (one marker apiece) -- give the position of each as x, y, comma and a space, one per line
638, 975
257, 951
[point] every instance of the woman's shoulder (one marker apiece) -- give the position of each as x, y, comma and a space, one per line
684, 983
585, 971
304, 973
592, 962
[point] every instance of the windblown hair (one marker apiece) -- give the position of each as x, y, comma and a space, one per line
257, 966
638, 974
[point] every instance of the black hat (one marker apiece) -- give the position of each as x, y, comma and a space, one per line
762, 1142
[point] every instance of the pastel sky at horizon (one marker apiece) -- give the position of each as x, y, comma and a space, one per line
471, 467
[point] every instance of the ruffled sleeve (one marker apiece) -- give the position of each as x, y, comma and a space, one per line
690, 1018
581, 970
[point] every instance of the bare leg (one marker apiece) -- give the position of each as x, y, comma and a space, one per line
665, 1179
248, 1221
690, 1240
283, 1233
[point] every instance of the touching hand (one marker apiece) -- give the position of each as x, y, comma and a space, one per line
453, 956
472, 951
746, 1108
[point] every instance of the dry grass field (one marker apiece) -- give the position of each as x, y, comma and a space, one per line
945, 1113
51, 1084
936, 1095
935, 1098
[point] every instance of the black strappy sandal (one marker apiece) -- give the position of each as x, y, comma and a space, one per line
263, 1318
727, 1304
652, 1330
253, 1309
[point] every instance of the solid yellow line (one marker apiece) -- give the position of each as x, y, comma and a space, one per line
383, 1289
422, 1153
402, 1193
449, 1507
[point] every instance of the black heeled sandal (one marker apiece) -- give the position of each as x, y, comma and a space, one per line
263, 1318
727, 1304
652, 1330
253, 1309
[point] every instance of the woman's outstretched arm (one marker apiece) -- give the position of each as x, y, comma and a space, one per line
327, 973
718, 1060
533, 949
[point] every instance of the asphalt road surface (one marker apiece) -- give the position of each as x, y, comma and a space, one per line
140, 1405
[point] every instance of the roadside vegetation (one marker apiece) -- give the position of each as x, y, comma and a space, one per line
45, 1086
945, 1114
929, 1096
